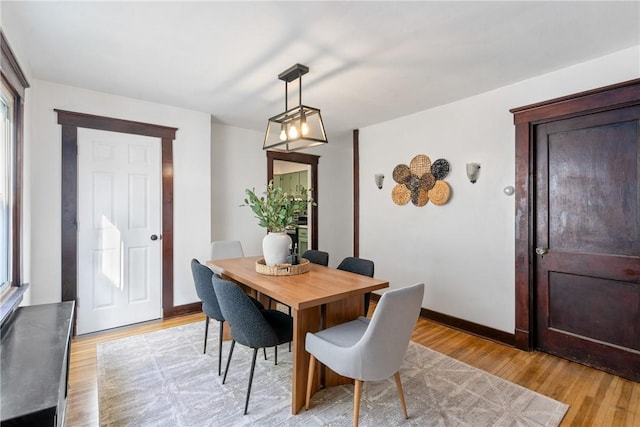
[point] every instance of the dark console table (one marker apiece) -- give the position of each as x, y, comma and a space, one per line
35, 365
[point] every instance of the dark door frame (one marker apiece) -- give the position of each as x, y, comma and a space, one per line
525, 119
308, 159
70, 122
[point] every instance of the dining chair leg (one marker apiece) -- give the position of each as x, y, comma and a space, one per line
312, 368
226, 369
220, 348
253, 367
264, 350
275, 353
401, 395
206, 333
356, 402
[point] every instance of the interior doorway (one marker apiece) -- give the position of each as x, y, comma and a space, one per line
278, 162
578, 228
70, 122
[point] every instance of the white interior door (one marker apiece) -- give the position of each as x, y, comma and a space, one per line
119, 206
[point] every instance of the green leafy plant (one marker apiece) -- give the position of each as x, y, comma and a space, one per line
275, 209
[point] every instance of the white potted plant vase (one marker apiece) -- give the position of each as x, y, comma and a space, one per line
276, 210
275, 248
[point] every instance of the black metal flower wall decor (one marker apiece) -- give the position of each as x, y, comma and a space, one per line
421, 181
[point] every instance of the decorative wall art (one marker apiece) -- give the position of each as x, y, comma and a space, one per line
421, 181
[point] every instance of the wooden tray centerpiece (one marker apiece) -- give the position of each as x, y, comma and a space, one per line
283, 269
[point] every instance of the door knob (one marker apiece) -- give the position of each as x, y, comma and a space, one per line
542, 251
154, 237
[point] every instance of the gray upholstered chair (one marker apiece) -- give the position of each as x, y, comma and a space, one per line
223, 249
317, 257
360, 266
202, 276
250, 326
369, 349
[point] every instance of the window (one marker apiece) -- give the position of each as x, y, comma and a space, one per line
7, 180
13, 84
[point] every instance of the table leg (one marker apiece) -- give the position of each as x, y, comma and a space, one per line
226, 332
336, 313
307, 320
265, 300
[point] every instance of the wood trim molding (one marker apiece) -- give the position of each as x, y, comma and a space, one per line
167, 226
356, 192
619, 94
464, 325
10, 67
469, 327
69, 220
523, 238
525, 118
308, 159
180, 310
90, 121
70, 122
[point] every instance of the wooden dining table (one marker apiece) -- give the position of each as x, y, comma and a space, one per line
320, 298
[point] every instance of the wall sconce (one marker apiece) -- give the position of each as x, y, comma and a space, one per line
473, 170
379, 177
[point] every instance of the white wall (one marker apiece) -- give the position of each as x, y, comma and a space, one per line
238, 162
462, 251
335, 196
191, 180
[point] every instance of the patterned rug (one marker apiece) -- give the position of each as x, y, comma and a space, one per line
163, 379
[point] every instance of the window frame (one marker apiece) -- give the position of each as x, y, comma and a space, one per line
7, 130
14, 79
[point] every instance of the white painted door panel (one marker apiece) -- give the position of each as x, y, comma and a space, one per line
119, 205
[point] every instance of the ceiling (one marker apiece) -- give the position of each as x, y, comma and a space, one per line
369, 61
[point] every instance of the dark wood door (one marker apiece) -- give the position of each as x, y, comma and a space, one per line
587, 238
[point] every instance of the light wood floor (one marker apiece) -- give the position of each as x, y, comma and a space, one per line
595, 398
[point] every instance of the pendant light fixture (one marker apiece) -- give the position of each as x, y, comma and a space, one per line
297, 128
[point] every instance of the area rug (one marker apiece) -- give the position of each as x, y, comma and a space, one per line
163, 379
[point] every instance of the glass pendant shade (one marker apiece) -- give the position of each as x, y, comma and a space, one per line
297, 128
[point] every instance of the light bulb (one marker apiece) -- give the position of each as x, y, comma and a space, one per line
283, 134
293, 131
